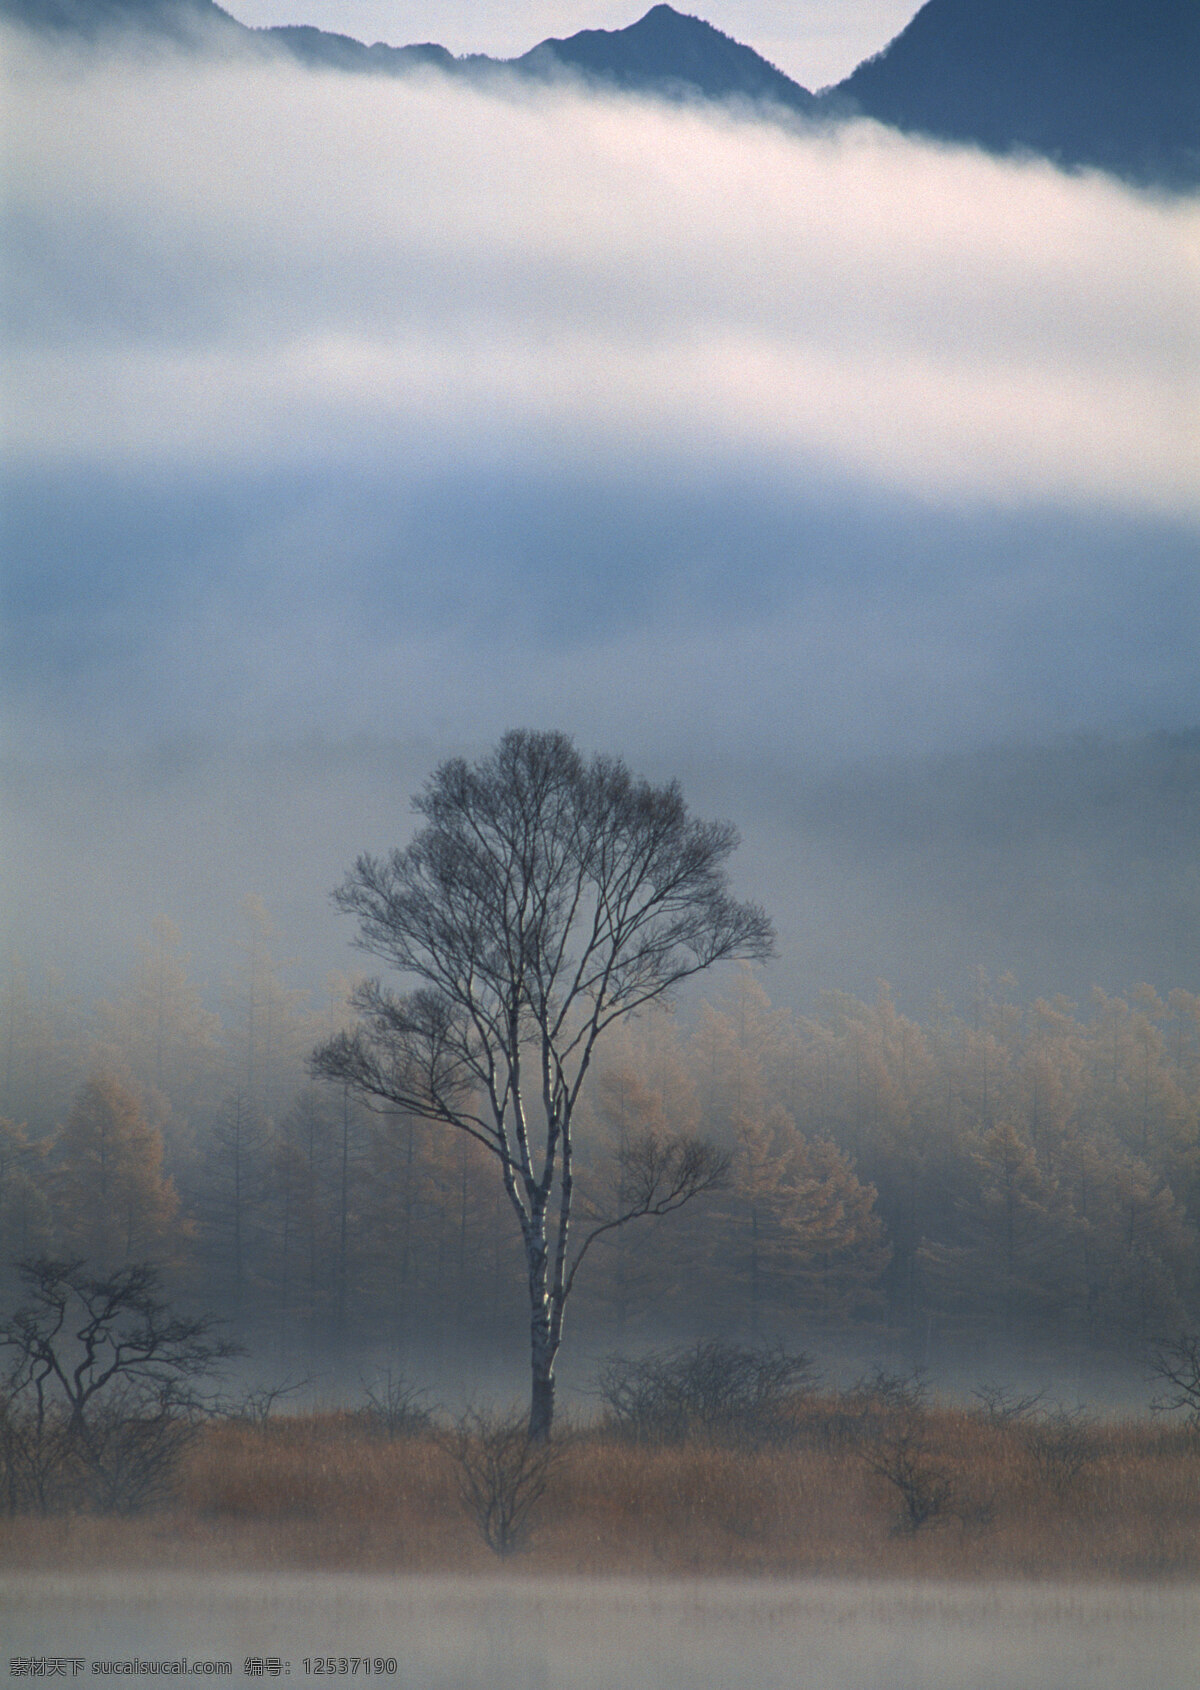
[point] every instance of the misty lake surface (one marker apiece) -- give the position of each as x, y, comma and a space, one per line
621, 1634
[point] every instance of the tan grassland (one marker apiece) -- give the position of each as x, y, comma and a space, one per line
325, 1491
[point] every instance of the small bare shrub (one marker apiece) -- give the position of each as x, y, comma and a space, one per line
256, 1405
502, 1475
395, 1407
103, 1389
1177, 1366
886, 1394
861, 1413
121, 1458
1002, 1406
884, 1415
39, 1464
724, 1392
133, 1444
924, 1491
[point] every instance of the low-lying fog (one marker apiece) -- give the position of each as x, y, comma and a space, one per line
535, 1634
1072, 865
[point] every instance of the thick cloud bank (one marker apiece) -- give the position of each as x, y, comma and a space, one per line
415, 409
243, 264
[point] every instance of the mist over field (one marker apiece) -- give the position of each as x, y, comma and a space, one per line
519, 1634
847, 478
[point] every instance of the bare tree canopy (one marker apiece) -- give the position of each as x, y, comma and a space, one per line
102, 1387
545, 898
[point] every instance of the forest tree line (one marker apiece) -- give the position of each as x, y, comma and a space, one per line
1026, 1171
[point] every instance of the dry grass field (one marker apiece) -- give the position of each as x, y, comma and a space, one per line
327, 1491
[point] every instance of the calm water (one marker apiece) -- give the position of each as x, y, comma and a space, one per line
575, 1634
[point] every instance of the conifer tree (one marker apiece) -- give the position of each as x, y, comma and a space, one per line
25, 1219
114, 1204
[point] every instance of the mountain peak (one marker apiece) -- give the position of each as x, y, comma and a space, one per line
668, 52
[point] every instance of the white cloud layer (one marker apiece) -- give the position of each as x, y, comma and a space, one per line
252, 264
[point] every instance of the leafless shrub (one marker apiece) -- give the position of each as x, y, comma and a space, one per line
872, 1405
502, 1475
120, 1458
924, 1491
1062, 1445
256, 1406
884, 1393
133, 1444
39, 1468
103, 1390
1176, 1364
1002, 1406
715, 1390
884, 1416
395, 1408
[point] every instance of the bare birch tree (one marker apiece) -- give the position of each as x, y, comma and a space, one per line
544, 899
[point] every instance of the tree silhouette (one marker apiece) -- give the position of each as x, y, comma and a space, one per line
545, 899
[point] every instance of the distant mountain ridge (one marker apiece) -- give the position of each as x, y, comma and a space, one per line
1107, 84
177, 19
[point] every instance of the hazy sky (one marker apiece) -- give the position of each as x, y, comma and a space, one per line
815, 41
352, 421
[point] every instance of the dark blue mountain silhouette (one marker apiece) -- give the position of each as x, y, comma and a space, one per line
1109, 83
180, 20
664, 53
668, 53
342, 52
202, 20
